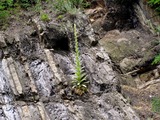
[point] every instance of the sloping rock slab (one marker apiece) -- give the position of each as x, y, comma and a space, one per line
130, 49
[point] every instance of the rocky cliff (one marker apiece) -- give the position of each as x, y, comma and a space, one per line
37, 66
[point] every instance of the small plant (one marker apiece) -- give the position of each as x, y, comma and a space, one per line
44, 17
60, 17
69, 6
155, 4
156, 105
156, 60
63, 6
79, 82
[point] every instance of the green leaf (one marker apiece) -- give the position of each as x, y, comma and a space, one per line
156, 60
80, 76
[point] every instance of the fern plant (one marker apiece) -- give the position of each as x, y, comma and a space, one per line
79, 82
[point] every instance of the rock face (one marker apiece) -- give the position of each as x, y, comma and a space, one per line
146, 15
132, 53
130, 49
120, 15
2, 41
36, 71
37, 66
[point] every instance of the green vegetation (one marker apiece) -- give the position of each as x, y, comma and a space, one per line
157, 30
63, 6
5, 6
79, 83
156, 60
8, 4
69, 6
9, 7
27, 3
44, 17
156, 105
155, 4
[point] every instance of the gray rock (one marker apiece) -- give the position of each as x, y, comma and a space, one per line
129, 49
127, 64
35, 80
2, 41
43, 77
58, 111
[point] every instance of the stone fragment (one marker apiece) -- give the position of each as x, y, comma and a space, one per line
2, 41
15, 76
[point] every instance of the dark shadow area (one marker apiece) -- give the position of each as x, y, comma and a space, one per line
120, 15
62, 44
56, 39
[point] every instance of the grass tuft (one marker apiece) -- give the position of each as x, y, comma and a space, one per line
156, 105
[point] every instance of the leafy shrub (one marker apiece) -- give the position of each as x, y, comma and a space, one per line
4, 10
5, 3
79, 83
155, 4
156, 105
7, 7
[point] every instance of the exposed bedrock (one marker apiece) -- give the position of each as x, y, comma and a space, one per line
120, 15
36, 71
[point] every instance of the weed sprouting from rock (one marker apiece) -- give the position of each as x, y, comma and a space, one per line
156, 60
79, 82
44, 17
